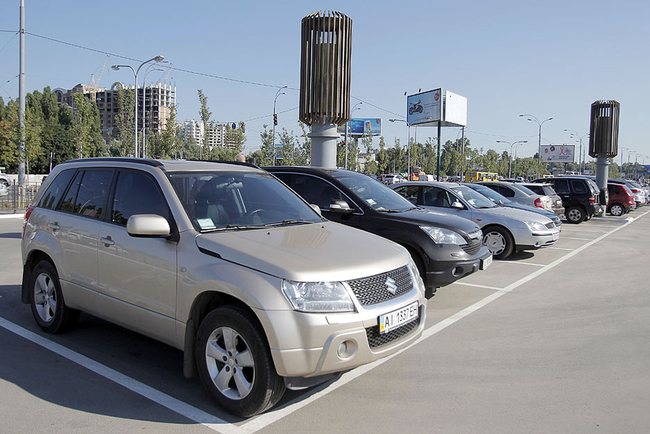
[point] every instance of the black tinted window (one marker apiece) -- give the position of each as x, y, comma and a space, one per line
93, 189
313, 190
55, 191
561, 186
579, 186
137, 193
71, 195
507, 192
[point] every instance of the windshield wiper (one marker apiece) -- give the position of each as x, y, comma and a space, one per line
287, 223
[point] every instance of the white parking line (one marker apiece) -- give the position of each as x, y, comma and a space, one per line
575, 238
523, 263
494, 288
558, 248
142, 389
273, 415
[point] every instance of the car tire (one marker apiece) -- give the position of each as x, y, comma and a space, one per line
616, 209
575, 214
498, 241
46, 300
4, 182
235, 364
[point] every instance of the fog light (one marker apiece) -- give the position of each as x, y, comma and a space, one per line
346, 349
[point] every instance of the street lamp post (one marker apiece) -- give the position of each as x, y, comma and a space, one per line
275, 118
539, 146
347, 127
135, 74
578, 137
519, 142
408, 167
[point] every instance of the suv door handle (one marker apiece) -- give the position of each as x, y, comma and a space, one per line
54, 226
107, 241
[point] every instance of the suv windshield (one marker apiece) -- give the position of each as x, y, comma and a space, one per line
373, 193
474, 198
236, 200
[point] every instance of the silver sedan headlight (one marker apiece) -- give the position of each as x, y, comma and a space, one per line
443, 236
318, 296
536, 226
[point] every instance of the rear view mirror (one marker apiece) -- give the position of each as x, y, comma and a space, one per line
340, 206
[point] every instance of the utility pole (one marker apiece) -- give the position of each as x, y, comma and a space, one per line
21, 99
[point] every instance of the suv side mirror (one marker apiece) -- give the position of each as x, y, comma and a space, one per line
340, 206
148, 225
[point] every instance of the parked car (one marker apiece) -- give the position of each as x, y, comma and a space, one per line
444, 247
580, 196
547, 190
4, 190
519, 193
392, 178
4, 179
224, 262
500, 200
635, 188
505, 230
621, 199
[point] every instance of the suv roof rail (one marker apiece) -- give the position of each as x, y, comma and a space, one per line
146, 161
237, 163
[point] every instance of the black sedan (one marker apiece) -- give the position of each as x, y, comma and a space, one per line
444, 247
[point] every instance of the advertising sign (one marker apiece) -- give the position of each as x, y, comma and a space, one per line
436, 106
558, 153
425, 107
644, 168
362, 127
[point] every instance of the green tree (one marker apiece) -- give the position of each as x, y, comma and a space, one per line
205, 114
122, 142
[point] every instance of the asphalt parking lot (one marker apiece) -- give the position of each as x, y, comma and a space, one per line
554, 340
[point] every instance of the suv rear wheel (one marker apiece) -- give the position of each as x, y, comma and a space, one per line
48, 307
575, 214
235, 364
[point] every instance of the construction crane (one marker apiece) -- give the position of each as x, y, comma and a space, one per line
94, 84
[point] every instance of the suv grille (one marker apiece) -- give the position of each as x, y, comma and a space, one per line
472, 247
375, 339
374, 289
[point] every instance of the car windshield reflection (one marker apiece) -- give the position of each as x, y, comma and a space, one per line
375, 194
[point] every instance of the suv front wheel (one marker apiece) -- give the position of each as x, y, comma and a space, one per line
235, 364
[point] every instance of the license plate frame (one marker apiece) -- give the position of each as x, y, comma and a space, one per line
486, 262
398, 317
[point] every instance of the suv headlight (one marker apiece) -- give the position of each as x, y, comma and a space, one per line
536, 226
318, 296
443, 236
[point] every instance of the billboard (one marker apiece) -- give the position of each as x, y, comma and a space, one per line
434, 106
558, 153
362, 127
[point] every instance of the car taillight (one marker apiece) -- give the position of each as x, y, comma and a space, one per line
538, 203
28, 212
592, 199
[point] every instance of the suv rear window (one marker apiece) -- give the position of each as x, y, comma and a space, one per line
87, 194
55, 191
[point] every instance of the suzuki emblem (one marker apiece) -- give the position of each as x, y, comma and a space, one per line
390, 285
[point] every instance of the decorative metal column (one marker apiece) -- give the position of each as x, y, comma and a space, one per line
603, 140
326, 51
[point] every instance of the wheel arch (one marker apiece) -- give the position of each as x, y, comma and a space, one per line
33, 258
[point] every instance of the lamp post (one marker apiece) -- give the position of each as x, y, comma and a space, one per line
347, 127
275, 118
519, 142
135, 74
539, 146
578, 137
408, 167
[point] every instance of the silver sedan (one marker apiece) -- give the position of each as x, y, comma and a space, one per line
504, 229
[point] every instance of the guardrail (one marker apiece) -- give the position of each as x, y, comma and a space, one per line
17, 197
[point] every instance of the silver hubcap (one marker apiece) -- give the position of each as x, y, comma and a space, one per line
230, 363
45, 297
495, 242
575, 215
616, 210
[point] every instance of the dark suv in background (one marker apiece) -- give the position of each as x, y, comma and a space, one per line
580, 196
445, 247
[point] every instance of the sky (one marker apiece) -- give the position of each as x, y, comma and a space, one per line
549, 59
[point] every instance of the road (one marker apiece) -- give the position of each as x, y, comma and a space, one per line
554, 340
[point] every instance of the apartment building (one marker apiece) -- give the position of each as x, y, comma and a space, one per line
157, 102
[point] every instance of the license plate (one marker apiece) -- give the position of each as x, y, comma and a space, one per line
486, 262
392, 320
